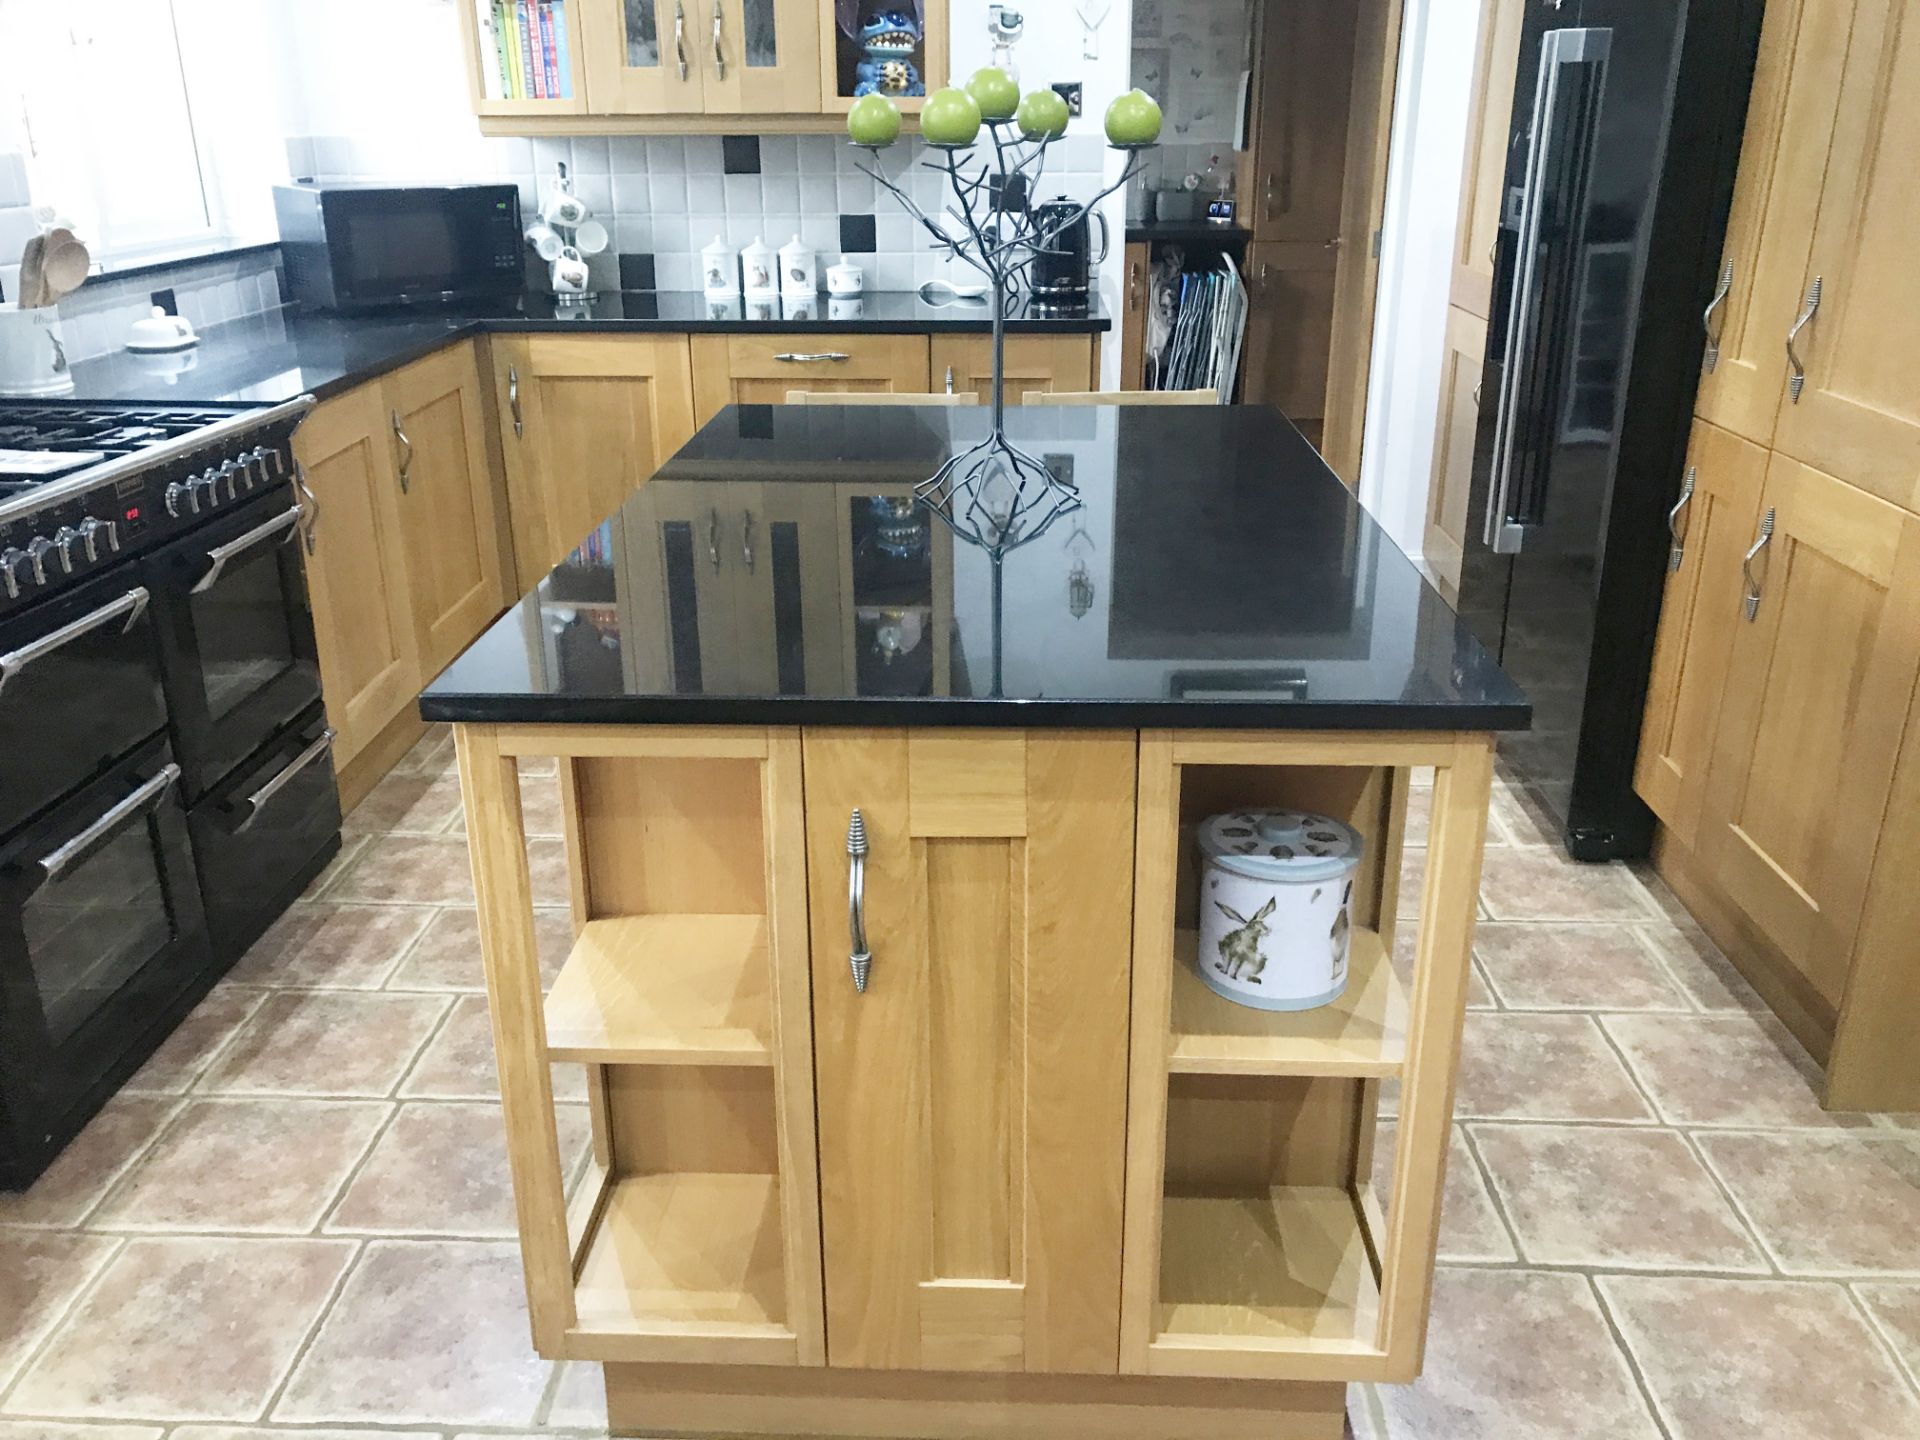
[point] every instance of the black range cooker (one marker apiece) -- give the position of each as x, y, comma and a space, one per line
166, 786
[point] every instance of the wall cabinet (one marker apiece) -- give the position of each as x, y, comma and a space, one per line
964, 364
1289, 322
761, 369
584, 420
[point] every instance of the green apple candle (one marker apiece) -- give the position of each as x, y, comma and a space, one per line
1043, 113
950, 117
874, 120
994, 91
1133, 119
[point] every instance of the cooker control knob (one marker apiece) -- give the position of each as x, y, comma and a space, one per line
63, 540
11, 559
182, 493
38, 549
90, 532
230, 473
208, 481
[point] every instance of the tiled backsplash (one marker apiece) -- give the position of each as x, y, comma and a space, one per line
664, 198
1190, 53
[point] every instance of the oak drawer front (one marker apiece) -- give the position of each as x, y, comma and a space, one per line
761, 369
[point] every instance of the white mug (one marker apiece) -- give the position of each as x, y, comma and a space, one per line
569, 272
545, 240
563, 207
591, 238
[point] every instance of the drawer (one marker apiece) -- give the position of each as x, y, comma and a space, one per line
761, 369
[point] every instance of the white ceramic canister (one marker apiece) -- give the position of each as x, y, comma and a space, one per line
33, 352
719, 271
846, 278
1275, 896
798, 268
757, 269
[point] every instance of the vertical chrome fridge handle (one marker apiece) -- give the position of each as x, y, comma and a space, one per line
1751, 603
1677, 550
1712, 357
859, 958
1797, 381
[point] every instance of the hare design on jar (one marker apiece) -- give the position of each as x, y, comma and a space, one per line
1240, 955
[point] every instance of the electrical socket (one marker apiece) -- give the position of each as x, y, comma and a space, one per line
1062, 468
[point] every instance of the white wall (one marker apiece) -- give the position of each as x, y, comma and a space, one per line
1422, 211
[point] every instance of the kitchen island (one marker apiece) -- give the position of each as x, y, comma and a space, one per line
924, 1123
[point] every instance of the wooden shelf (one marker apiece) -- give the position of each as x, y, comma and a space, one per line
1274, 1283
685, 1267
1363, 1033
664, 990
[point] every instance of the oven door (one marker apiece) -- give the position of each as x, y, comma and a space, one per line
236, 636
268, 830
102, 939
79, 688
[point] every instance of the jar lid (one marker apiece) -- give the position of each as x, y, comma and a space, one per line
1291, 845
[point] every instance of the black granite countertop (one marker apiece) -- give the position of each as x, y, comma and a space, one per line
288, 352
778, 571
1186, 232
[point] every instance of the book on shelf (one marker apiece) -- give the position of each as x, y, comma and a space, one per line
529, 17
524, 52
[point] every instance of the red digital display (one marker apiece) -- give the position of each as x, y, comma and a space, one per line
133, 512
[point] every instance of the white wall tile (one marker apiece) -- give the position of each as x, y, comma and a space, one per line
590, 155
742, 194
627, 154
706, 195
779, 154
819, 154
667, 155
703, 155
668, 192
631, 193
675, 272
596, 191
780, 193
818, 195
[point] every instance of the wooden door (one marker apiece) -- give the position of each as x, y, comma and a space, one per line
447, 517
761, 369
357, 570
964, 363
761, 56
643, 57
1289, 328
1489, 127
586, 420
1858, 415
1453, 446
1716, 502
1817, 694
972, 1102
1783, 161
1133, 319
1306, 65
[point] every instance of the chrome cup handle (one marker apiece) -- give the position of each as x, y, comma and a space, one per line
1677, 550
1751, 603
859, 957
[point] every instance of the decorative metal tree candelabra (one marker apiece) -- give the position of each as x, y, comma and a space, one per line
994, 494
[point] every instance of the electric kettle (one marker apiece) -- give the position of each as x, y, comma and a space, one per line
1063, 268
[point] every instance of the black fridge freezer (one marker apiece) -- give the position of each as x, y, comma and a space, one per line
1625, 136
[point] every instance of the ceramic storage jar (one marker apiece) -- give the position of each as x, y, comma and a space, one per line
1275, 891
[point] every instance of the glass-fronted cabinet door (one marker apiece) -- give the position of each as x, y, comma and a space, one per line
644, 57
762, 57
897, 46
677, 541
896, 589
523, 57
786, 589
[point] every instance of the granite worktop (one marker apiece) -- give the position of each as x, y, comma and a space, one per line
286, 352
778, 570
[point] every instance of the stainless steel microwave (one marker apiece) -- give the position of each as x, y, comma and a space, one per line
371, 247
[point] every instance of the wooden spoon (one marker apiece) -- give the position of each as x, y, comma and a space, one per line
32, 281
64, 267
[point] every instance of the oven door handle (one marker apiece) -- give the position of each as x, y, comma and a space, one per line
133, 605
257, 801
221, 554
55, 863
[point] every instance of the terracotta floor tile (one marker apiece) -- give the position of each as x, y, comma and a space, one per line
270, 1166
349, 851
1708, 977
1613, 1198
1897, 1308
40, 1273
458, 1062
1826, 1204
405, 802
441, 1169
1406, 936
1727, 1359
1539, 882
540, 800
432, 753
1542, 1067
188, 1051
184, 1328
332, 946
1470, 1228
1517, 1355
409, 869
326, 1043
1520, 819
447, 956
1724, 1070
430, 1332
55, 1430
252, 1432
1559, 966
83, 1172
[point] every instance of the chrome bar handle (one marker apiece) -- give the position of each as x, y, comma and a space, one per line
949, 379
680, 36
513, 400
1677, 550
859, 957
55, 862
293, 767
805, 357
713, 538
719, 54
1797, 381
1712, 357
221, 554
1751, 604
309, 532
133, 605
406, 454
746, 538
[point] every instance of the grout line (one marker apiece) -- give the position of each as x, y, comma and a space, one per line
1732, 1200
1493, 1193
321, 1314
1892, 1348
353, 1172
1625, 1347
57, 1323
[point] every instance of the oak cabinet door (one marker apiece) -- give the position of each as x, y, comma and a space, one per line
1783, 161
447, 518
762, 57
1817, 695
1858, 415
586, 419
761, 369
1484, 187
643, 56
964, 364
1712, 524
1133, 321
1300, 140
1290, 329
357, 572
972, 1101
1455, 432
